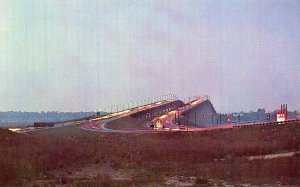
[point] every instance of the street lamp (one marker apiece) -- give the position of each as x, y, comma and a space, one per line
139, 101
187, 123
153, 99
99, 112
212, 119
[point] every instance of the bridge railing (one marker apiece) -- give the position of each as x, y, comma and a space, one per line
143, 102
196, 97
267, 123
136, 103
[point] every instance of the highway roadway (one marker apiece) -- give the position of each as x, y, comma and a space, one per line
98, 124
162, 123
166, 121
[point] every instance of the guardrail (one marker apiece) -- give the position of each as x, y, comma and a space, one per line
267, 123
136, 103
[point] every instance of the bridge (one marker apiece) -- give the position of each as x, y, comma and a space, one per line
163, 115
157, 114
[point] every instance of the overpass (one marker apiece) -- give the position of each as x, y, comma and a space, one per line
161, 116
155, 111
202, 114
167, 113
194, 114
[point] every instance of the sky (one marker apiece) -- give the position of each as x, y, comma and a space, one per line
78, 55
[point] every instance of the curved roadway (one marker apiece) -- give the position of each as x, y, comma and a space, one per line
166, 121
162, 123
98, 124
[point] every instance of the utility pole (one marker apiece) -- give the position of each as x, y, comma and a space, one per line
187, 123
269, 116
220, 118
286, 111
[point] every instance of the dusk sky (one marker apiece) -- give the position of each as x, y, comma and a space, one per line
79, 55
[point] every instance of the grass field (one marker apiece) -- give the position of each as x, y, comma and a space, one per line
125, 123
74, 157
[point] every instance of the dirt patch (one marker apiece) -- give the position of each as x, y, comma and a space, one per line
94, 171
272, 156
180, 181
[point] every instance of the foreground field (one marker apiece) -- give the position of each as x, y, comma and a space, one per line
71, 156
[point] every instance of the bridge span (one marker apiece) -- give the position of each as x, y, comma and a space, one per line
169, 114
166, 115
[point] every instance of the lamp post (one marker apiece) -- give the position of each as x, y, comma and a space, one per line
187, 123
99, 112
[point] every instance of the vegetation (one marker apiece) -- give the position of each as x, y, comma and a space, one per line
57, 156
